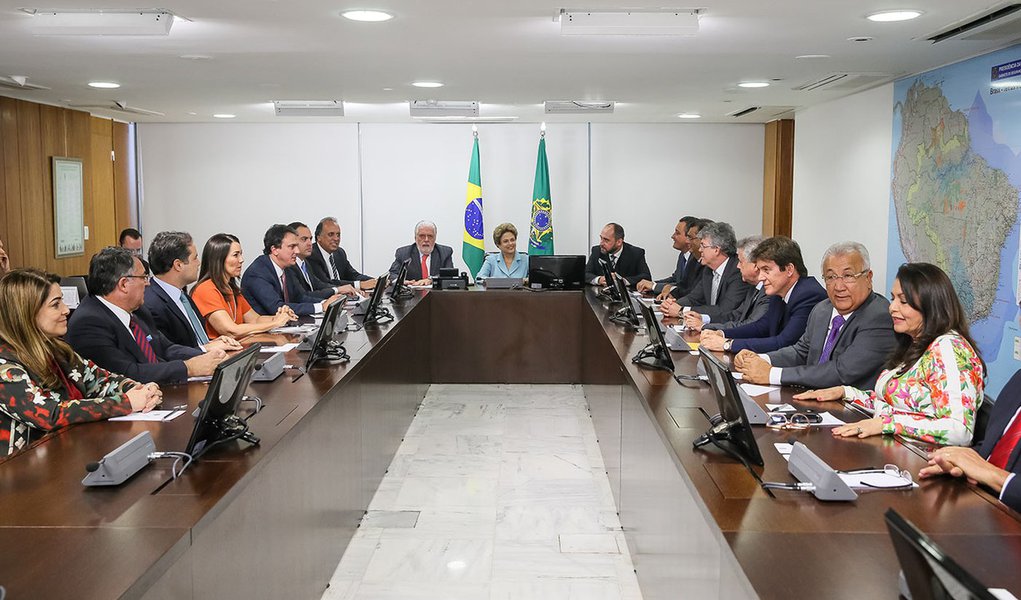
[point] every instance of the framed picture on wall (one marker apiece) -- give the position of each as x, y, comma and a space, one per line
68, 211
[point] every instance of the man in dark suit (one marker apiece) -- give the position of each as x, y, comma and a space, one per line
996, 458
111, 327
175, 266
755, 304
687, 269
784, 276
848, 336
328, 261
266, 283
721, 289
425, 256
624, 259
300, 274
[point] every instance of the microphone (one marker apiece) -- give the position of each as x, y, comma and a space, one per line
92, 467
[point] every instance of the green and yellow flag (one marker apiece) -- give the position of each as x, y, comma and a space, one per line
540, 236
473, 251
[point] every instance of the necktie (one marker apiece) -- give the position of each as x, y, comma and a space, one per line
831, 340
143, 341
425, 266
193, 318
304, 271
333, 268
283, 287
613, 262
1005, 447
716, 288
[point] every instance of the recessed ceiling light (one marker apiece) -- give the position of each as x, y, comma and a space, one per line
890, 16
223, 116
690, 116
104, 85
427, 84
192, 113
753, 84
388, 89
367, 16
860, 38
195, 57
811, 56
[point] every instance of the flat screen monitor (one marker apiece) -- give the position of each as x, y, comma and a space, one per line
374, 311
732, 433
611, 289
657, 353
557, 271
626, 314
217, 421
928, 572
400, 290
326, 344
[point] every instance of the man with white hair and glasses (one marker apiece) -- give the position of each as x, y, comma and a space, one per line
425, 256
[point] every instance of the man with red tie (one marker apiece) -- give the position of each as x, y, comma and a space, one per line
993, 461
112, 328
425, 257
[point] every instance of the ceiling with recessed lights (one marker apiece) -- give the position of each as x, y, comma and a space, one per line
236, 57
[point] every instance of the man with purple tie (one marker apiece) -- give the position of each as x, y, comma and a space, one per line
848, 338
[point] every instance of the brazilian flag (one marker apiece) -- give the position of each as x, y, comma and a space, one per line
473, 251
540, 236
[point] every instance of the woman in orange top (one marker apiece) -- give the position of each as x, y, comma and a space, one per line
218, 296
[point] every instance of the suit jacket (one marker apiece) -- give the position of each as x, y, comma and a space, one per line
630, 265
313, 289
441, 258
169, 319
785, 322
730, 295
864, 342
95, 333
1003, 411
685, 274
348, 274
261, 288
755, 305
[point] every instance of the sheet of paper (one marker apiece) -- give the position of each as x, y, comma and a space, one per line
294, 329
757, 390
780, 408
693, 346
829, 420
784, 450
152, 415
284, 348
201, 378
875, 480
1002, 594
421, 287
737, 375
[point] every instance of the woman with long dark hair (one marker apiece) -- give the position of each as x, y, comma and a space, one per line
932, 384
44, 384
218, 295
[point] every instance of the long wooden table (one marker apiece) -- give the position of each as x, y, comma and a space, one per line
273, 520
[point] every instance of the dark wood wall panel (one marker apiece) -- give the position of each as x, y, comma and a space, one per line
30, 136
778, 178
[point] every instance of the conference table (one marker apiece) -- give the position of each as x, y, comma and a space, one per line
273, 520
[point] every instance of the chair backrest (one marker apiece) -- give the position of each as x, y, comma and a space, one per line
982, 419
79, 283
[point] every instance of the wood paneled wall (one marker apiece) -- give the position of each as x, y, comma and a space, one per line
30, 136
778, 180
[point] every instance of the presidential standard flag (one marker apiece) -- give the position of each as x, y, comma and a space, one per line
540, 236
473, 251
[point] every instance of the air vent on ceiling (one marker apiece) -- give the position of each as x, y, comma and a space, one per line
844, 81
19, 82
1001, 24
681, 21
444, 108
309, 108
740, 113
100, 21
563, 107
118, 107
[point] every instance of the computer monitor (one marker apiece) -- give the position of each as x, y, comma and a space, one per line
657, 354
375, 313
626, 314
731, 430
217, 421
928, 572
610, 290
557, 271
326, 346
400, 289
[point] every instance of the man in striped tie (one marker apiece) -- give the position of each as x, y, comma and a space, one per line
303, 273
114, 330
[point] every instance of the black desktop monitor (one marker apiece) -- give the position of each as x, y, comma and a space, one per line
557, 271
374, 311
400, 289
731, 432
928, 572
626, 314
657, 353
326, 346
610, 290
217, 421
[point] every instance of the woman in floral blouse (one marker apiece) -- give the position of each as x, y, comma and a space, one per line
44, 385
931, 387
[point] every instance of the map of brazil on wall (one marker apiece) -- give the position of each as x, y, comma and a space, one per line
954, 193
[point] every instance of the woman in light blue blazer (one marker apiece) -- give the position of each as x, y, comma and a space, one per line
508, 262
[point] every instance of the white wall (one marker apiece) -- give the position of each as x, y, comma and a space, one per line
842, 153
380, 179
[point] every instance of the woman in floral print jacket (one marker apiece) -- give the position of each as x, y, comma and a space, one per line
933, 382
44, 384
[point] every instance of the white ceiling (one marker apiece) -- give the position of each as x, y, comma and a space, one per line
507, 54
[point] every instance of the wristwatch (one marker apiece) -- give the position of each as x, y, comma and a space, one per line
727, 344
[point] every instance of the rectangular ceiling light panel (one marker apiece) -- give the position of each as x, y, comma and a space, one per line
629, 22
309, 108
444, 108
101, 22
